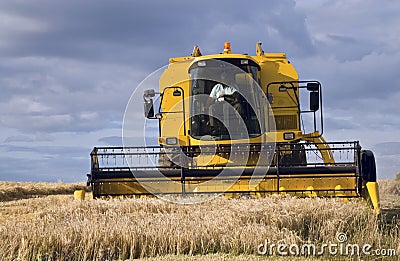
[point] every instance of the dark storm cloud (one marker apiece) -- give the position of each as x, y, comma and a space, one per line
93, 29
127, 31
72, 65
144, 31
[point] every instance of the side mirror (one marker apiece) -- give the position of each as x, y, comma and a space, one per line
312, 87
314, 101
149, 93
148, 108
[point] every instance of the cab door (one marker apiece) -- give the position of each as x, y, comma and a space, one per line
173, 125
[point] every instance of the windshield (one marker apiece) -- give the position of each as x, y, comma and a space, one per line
225, 99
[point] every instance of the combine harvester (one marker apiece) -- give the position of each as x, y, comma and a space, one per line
256, 140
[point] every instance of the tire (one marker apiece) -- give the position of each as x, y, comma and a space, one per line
368, 166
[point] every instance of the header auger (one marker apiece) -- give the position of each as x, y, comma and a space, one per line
237, 125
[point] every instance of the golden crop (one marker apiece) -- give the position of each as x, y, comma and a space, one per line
37, 222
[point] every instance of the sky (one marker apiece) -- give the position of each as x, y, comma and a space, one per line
68, 68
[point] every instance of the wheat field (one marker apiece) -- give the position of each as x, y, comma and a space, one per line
41, 221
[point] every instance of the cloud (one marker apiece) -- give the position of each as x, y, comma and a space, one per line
78, 69
387, 156
388, 148
29, 138
43, 163
58, 122
55, 95
47, 170
136, 31
14, 24
112, 140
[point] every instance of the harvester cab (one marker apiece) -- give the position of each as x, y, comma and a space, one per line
235, 124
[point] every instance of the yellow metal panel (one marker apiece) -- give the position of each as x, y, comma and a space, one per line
373, 195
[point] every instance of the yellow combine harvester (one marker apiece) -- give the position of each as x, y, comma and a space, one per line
233, 124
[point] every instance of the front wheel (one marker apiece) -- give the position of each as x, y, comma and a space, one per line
368, 166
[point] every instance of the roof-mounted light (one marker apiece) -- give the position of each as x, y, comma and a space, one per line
227, 47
